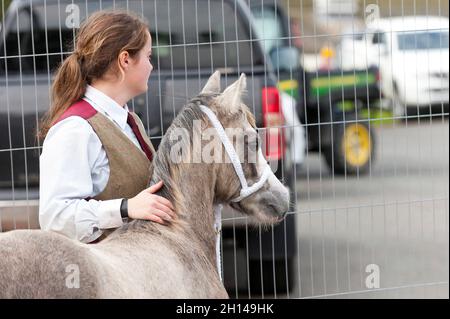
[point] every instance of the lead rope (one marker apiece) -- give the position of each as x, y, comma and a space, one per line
218, 229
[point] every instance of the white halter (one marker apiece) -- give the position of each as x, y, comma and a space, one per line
245, 189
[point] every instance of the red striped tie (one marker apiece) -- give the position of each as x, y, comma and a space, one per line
144, 146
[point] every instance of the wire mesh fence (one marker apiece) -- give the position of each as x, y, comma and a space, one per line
363, 91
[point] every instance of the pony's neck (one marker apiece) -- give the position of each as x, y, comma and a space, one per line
194, 194
197, 198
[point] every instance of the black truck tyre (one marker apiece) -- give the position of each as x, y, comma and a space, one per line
353, 146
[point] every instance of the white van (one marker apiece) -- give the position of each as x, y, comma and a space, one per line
412, 54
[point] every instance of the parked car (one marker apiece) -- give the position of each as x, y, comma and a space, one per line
190, 41
330, 103
412, 54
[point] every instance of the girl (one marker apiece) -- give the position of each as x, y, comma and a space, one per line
96, 157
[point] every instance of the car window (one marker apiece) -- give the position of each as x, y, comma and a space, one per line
199, 34
186, 34
268, 27
15, 41
379, 38
38, 40
422, 40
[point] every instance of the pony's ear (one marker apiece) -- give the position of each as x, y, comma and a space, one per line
231, 97
213, 84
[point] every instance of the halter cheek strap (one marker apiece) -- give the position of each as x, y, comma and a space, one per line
245, 189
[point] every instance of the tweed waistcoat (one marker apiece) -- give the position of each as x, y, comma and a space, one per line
130, 168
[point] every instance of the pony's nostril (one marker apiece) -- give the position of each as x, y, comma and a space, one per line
281, 216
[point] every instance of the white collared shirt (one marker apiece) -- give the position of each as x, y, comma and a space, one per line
74, 166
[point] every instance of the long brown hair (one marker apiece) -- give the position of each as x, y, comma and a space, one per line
98, 43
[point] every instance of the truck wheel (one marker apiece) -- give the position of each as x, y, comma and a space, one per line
353, 148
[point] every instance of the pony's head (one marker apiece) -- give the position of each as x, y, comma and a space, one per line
246, 183
229, 158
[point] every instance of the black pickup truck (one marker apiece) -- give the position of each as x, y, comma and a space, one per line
332, 104
191, 39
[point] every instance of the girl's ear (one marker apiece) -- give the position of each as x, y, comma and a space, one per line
124, 59
123, 62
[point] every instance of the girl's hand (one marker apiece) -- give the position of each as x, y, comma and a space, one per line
148, 206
